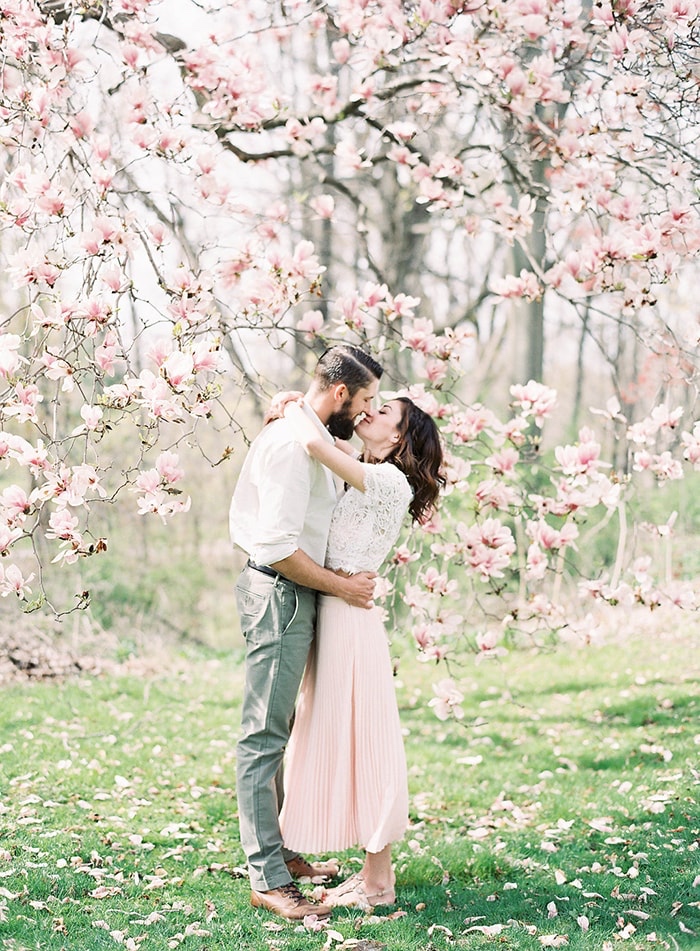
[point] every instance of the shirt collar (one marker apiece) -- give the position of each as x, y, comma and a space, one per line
311, 413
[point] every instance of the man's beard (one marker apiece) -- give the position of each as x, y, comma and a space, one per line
341, 424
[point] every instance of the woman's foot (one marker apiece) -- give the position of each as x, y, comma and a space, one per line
354, 893
348, 885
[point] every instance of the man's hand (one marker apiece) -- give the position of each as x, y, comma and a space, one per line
358, 590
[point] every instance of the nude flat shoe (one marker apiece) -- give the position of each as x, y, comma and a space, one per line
344, 886
357, 897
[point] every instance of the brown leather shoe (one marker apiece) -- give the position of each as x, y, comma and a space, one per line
288, 902
318, 872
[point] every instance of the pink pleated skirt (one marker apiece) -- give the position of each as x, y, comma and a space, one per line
345, 768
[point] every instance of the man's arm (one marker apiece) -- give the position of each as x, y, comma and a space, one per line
357, 590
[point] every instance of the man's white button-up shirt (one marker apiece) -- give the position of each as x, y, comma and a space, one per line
283, 499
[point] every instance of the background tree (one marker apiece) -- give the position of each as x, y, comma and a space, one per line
187, 219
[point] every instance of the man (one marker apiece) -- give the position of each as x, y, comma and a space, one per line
280, 516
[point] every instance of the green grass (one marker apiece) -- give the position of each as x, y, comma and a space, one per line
570, 789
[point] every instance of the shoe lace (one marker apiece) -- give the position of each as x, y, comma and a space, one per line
292, 892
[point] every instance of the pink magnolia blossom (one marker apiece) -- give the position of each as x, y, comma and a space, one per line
351, 311
35, 458
666, 418
402, 555
106, 352
158, 503
525, 285
427, 400
402, 305
148, 482
74, 485
533, 25
419, 336
23, 407
311, 321
12, 581
114, 279
375, 294
572, 496
8, 536
92, 416
160, 350
487, 644
691, 443
231, 271
434, 653
495, 494
435, 371
178, 369
514, 431
349, 158
431, 190
304, 262
206, 357
466, 426
403, 131
62, 525
417, 598
537, 563
97, 312
26, 269
447, 700
57, 369
504, 461
437, 582
15, 504
548, 537
534, 399
433, 525
258, 291
488, 547
581, 459
383, 588
660, 418
402, 156
168, 467
662, 465
323, 205
423, 635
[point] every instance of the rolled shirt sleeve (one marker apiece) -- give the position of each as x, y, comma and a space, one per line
282, 475
283, 499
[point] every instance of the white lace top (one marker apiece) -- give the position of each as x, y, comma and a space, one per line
365, 525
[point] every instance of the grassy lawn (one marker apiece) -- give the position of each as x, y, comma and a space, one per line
561, 812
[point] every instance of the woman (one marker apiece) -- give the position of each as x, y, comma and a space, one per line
345, 771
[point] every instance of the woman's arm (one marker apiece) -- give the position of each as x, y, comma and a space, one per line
278, 403
337, 460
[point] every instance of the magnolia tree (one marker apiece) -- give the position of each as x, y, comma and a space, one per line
185, 206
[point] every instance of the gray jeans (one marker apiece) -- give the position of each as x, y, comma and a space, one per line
277, 620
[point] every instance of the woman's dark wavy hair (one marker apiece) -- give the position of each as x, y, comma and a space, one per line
419, 456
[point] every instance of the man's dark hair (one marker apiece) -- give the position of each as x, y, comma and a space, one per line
349, 365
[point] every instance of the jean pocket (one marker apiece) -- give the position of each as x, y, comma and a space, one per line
251, 605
